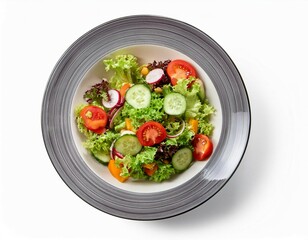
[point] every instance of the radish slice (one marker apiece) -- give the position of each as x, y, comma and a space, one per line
179, 132
116, 153
121, 102
154, 76
112, 112
115, 98
113, 117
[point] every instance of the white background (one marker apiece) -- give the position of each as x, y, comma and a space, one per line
266, 198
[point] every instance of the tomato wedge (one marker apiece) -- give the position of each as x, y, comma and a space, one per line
180, 69
95, 118
151, 133
203, 147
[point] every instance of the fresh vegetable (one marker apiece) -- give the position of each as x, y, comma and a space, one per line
151, 133
126, 70
147, 122
116, 171
174, 127
102, 157
127, 144
144, 71
128, 124
124, 89
160, 65
201, 92
114, 99
154, 76
95, 118
140, 116
194, 125
203, 147
150, 168
97, 93
180, 69
138, 96
182, 159
174, 104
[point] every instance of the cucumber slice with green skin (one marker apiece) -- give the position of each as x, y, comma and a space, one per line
182, 159
102, 157
128, 144
138, 96
201, 94
174, 104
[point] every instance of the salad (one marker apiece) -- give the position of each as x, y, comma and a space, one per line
147, 122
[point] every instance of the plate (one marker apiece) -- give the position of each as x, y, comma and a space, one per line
149, 38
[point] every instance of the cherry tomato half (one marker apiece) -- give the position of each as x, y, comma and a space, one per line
95, 118
151, 133
180, 69
203, 147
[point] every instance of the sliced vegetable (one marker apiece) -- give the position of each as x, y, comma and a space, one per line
114, 99
201, 93
116, 171
151, 133
194, 125
180, 69
114, 116
128, 124
95, 118
154, 76
124, 89
138, 96
203, 147
174, 104
150, 168
180, 129
182, 159
102, 157
127, 144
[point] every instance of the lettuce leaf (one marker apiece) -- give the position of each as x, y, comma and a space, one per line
139, 116
132, 166
126, 70
100, 142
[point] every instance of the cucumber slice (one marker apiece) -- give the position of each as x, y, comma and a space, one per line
102, 157
138, 96
201, 94
128, 144
182, 159
174, 104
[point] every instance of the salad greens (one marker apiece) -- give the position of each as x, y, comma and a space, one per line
165, 139
126, 70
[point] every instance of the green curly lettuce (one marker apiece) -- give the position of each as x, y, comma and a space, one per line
154, 112
126, 70
97, 143
132, 166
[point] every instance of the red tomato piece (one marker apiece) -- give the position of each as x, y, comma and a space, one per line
95, 118
151, 133
180, 69
203, 147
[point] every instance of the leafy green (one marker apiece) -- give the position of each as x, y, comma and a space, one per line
183, 140
100, 142
97, 93
190, 91
203, 117
163, 172
133, 165
126, 70
139, 116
